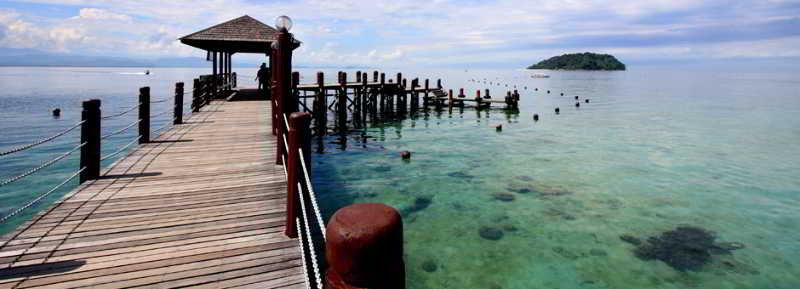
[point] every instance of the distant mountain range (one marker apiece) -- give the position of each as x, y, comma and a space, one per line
31, 57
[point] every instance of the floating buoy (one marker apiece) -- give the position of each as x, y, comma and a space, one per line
526, 88
548, 91
498, 127
57, 112
577, 104
562, 94
587, 100
535, 117
576, 97
406, 155
557, 110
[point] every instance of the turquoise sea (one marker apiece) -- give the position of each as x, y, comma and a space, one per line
540, 204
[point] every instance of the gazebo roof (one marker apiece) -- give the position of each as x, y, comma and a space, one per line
244, 34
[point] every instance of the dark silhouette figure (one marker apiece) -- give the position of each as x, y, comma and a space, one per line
263, 77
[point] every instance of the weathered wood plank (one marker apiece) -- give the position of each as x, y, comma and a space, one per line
201, 206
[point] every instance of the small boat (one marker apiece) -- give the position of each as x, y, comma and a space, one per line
540, 75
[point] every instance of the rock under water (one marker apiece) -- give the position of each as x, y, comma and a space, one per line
420, 203
685, 248
490, 233
429, 266
505, 197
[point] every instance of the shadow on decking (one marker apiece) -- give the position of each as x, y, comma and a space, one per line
40, 269
136, 175
249, 94
171, 140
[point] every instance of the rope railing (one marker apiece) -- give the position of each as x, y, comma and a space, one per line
119, 131
121, 113
307, 236
91, 138
123, 148
40, 167
41, 141
311, 195
164, 126
166, 111
308, 209
40, 197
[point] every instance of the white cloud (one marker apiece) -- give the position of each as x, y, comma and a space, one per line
390, 32
101, 14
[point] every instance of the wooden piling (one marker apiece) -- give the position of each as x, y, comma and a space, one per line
321, 106
196, 95
144, 115
341, 102
298, 124
177, 112
90, 137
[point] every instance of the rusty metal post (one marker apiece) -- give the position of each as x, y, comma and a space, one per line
364, 248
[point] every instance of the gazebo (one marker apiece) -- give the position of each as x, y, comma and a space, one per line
241, 35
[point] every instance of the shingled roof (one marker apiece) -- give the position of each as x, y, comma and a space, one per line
244, 34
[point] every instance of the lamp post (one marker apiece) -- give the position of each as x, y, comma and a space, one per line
281, 78
283, 49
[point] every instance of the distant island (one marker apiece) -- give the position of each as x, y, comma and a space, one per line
580, 61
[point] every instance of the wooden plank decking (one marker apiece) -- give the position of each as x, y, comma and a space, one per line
202, 206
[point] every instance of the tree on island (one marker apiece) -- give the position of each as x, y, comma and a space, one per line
580, 61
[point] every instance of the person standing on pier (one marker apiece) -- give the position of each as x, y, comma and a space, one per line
262, 77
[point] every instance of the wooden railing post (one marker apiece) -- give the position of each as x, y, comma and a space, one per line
297, 138
294, 100
364, 248
144, 114
382, 94
177, 114
234, 79
321, 106
478, 99
341, 103
90, 137
196, 90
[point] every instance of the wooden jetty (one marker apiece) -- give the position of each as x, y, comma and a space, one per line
221, 197
201, 206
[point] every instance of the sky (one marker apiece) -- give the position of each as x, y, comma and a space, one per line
427, 33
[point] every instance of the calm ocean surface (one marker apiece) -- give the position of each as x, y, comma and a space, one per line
653, 150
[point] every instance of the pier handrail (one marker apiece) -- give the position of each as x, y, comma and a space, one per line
295, 136
41, 141
91, 138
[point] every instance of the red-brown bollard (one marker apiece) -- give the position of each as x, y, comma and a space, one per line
364, 248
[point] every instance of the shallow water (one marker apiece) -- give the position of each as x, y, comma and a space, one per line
653, 150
